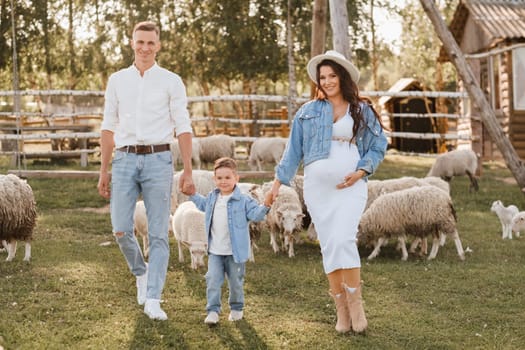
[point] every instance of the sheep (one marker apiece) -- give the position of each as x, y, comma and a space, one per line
505, 215
17, 214
216, 146
297, 184
203, 180
256, 228
378, 187
189, 230
266, 150
285, 219
416, 211
456, 163
195, 153
140, 226
518, 223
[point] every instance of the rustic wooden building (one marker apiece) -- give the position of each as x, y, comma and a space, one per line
491, 34
407, 114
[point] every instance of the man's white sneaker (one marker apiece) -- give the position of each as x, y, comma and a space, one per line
153, 310
142, 287
235, 315
212, 318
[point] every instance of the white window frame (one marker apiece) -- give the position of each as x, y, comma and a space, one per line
518, 82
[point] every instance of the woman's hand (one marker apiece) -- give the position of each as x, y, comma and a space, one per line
352, 178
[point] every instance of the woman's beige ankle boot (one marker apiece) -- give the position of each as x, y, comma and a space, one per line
343, 324
355, 308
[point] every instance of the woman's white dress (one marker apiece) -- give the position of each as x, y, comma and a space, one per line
336, 212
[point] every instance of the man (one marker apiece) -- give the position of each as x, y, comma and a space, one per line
144, 104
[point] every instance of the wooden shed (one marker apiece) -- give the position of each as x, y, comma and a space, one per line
491, 34
406, 114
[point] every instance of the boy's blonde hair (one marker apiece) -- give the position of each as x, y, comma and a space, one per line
225, 162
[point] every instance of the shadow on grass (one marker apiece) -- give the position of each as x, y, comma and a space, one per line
248, 339
150, 334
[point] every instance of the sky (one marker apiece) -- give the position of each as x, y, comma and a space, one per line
388, 27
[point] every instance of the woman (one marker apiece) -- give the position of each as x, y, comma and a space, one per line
339, 137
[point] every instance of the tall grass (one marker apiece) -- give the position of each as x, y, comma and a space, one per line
77, 293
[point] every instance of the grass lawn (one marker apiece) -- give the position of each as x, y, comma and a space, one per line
77, 292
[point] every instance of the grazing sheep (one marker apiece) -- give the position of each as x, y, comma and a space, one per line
17, 214
266, 150
203, 180
505, 215
216, 146
297, 184
256, 228
416, 211
195, 153
140, 226
285, 219
378, 187
189, 230
456, 163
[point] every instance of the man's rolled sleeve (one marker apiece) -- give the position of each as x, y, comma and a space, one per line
110, 120
179, 108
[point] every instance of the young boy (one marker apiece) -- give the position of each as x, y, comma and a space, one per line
228, 213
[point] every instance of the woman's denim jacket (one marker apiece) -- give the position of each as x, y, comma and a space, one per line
241, 209
311, 136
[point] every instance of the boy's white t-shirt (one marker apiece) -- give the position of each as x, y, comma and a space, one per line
220, 242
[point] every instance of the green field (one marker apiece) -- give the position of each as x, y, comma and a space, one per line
77, 293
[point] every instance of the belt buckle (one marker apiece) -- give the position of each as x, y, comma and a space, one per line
142, 149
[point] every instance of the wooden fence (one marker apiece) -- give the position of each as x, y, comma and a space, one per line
76, 134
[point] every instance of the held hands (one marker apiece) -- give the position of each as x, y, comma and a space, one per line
351, 179
268, 199
186, 184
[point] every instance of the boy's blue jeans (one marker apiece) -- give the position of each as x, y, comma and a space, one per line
151, 175
218, 267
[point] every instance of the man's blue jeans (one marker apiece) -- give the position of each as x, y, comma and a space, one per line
218, 266
151, 175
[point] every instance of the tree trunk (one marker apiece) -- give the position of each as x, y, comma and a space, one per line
488, 116
71, 48
374, 48
339, 23
292, 84
318, 33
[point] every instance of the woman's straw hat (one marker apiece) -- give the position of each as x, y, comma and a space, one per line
335, 56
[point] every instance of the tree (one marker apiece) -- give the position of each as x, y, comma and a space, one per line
339, 24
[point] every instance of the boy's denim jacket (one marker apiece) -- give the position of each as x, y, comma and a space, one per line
241, 209
311, 136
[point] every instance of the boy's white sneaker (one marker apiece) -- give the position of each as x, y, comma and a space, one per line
153, 310
142, 287
235, 315
212, 318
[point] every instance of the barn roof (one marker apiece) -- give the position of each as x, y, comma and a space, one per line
403, 84
499, 20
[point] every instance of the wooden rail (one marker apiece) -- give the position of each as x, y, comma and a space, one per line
88, 174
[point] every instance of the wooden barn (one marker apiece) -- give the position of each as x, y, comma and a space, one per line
406, 115
491, 34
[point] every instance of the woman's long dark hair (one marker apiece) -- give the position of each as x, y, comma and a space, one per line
350, 93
